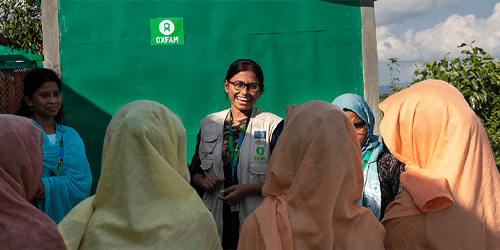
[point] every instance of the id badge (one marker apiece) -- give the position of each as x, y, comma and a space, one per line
235, 208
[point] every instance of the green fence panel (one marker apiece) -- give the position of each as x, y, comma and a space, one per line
308, 50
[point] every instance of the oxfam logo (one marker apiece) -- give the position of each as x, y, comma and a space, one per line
167, 27
260, 150
166, 31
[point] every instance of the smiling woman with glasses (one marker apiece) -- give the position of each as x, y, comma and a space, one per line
233, 150
238, 86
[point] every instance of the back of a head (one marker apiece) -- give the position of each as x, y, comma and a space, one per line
146, 131
450, 176
153, 122
21, 154
24, 226
143, 193
421, 122
316, 167
315, 128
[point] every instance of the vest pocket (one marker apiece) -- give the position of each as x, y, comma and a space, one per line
207, 201
206, 165
208, 143
257, 173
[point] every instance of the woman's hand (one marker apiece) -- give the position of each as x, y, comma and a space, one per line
210, 183
238, 193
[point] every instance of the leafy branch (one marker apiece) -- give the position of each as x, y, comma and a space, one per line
477, 77
394, 80
21, 24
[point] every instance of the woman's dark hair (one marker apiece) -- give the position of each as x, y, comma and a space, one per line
32, 82
246, 65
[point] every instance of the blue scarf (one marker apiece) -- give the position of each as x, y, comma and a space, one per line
68, 180
372, 196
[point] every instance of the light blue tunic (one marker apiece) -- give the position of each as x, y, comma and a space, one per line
372, 196
64, 189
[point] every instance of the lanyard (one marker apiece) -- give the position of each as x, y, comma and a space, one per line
366, 158
61, 156
235, 153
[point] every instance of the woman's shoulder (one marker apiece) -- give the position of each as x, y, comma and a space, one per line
65, 128
267, 115
388, 162
215, 116
68, 131
386, 157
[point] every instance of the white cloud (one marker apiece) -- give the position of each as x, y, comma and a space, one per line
434, 43
407, 70
389, 12
451, 4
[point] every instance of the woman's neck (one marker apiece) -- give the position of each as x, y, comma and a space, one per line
239, 114
47, 124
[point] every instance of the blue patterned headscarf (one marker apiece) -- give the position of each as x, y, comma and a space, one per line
358, 105
372, 196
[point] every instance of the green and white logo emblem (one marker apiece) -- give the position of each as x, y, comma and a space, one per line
166, 31
260, 150
167, 27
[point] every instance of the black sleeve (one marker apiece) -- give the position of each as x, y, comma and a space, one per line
276, 135
389, 170
195, 166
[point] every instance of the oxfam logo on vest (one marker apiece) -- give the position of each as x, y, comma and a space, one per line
260, 152
167, 31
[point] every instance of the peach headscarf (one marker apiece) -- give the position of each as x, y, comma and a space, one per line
313, 183
451, 180
21, 164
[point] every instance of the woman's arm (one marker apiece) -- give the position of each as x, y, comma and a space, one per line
209, 183
240, 192
198, 180
195, 166
389, 170
72, 185
276, 135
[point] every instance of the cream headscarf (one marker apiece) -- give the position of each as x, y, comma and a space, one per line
313, 183
143, 199
451, 178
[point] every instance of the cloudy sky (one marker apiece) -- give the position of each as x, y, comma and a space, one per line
425, 30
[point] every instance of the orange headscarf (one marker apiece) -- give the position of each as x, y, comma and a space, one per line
21, 164
313, 183
451, 179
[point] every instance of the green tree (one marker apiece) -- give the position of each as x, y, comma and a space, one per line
477, 77
394, 80
21, 23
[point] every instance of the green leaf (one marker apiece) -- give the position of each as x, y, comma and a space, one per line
477, 77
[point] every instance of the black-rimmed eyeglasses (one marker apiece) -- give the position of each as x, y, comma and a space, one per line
238, 86
360, 125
